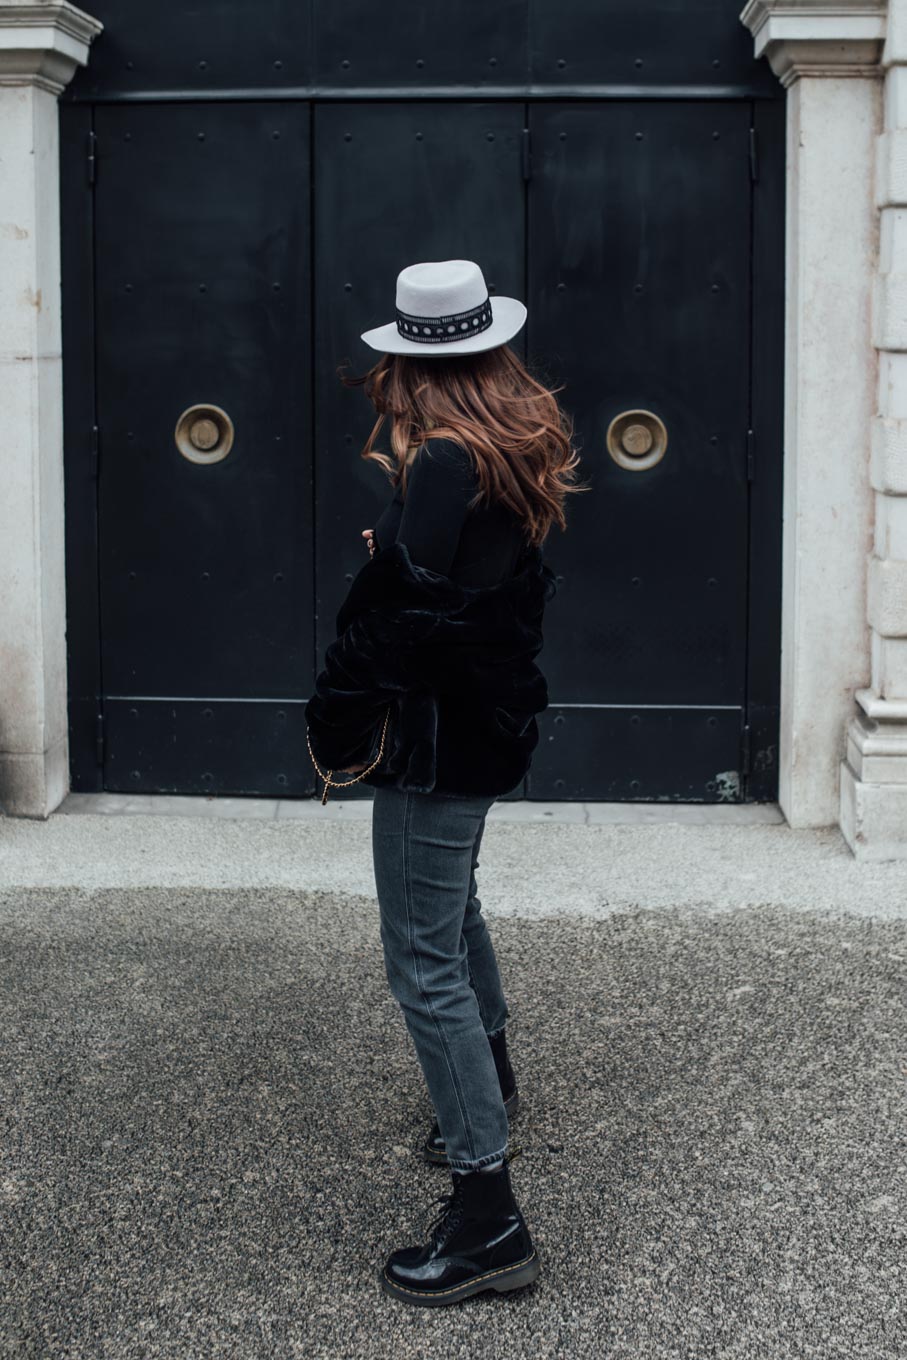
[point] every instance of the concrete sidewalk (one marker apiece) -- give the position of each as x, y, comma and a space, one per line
211, 1108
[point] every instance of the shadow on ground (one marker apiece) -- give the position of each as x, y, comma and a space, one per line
211, 1112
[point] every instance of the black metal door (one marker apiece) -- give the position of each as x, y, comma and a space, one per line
202, 293
237, 206
640, 263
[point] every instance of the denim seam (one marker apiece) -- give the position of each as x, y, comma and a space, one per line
419, 977
472, 983
473, 893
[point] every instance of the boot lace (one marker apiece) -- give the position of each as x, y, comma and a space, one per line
448, 1217
451, 1205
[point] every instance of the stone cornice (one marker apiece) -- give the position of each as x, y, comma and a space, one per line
882, 710
42, 43
817, 37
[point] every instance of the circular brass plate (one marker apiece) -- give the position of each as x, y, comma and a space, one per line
204, 433
637, 440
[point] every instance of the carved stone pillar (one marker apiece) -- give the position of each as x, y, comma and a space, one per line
41, 44
827, 55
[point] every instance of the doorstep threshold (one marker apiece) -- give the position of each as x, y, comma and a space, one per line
506, 809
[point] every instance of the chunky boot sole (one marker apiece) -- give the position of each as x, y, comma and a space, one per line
511, 1105
501, 1280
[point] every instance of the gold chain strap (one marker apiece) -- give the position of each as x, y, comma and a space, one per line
342, 784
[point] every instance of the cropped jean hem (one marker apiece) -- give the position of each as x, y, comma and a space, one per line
459, 1164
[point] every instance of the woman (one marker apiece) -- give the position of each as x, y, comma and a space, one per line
430, 693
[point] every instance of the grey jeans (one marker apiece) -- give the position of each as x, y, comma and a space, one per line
440, 962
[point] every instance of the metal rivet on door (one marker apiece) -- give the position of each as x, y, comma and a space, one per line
204, 434
637, 440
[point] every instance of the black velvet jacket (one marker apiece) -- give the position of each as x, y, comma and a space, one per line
456, 665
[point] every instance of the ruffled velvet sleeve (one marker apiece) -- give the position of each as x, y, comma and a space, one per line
440, 484
345, 714
377, 655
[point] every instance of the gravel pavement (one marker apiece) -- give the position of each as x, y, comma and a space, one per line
211, 1109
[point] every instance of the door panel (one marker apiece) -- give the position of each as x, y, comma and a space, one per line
437, 45
584, 43
205, 570
639, 259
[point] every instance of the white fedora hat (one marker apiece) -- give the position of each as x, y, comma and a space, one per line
443, 307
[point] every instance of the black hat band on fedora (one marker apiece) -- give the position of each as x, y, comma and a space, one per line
433, 330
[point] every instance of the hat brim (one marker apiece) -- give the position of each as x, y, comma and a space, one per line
508, 316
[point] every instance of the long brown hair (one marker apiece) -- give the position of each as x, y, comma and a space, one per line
511, 424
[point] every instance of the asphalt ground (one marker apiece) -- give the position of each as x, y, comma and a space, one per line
210, 1108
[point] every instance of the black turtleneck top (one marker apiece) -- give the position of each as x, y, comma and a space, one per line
476, 547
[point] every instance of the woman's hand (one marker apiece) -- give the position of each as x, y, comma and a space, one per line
352, 769
369, 536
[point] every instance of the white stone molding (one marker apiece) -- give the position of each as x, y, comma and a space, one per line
41, 45
817, 37
874, 801
887, 597
888, 465
873, 806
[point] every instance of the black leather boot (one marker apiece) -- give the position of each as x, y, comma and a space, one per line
479, 1241
433, 1149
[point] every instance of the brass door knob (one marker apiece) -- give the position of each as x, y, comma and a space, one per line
637, 440
204, 434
